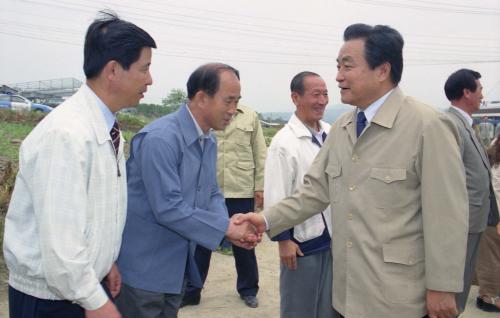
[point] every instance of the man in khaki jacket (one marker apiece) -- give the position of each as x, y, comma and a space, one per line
241, 155
392, 172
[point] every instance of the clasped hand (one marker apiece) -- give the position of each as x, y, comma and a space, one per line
241, 232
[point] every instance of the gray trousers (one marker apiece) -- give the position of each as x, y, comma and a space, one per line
307, 291
473, 240
138, 303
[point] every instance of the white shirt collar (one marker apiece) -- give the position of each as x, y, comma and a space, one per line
201, 135
372, 109
198, 128
464, 114
301, 129
317, 134
109, 117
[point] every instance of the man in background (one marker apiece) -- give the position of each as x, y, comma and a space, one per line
305, 250
464, 91
486, 131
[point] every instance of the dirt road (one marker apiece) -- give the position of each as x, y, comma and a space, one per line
220, 299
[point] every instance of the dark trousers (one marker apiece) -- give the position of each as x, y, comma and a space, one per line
136, 303
338, 315
22, 305
245, 260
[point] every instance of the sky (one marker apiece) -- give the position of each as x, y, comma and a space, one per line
267, 41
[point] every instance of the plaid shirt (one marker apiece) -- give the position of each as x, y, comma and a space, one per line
67, 212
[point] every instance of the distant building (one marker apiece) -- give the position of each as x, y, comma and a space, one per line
491, 110
4, 89
49, 92
269, 124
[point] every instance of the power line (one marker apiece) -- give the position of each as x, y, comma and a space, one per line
204, 57
224, 28
231, 27
207, 48
194, 48
454, 5
437, 62
407, 5
225, 13
35, 27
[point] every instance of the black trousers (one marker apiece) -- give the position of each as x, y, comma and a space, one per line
246, 263
22, 305
337, 315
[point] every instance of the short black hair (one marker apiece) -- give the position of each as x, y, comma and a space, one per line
206, 78
382, 44
460, 80
297, 84
110, 38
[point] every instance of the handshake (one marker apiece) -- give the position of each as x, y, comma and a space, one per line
245, 230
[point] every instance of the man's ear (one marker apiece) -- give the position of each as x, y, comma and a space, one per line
200, 98
295, 98
467, 92
384, 71
111, 70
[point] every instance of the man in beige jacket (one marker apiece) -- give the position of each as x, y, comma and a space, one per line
392, 172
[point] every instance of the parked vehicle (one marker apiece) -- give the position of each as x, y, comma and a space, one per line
20, 103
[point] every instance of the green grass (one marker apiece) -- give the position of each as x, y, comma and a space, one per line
269, 133
128, 135
2, 222
11, 134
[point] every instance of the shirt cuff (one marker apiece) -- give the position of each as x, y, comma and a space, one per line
283, 236
96, 300
265, 220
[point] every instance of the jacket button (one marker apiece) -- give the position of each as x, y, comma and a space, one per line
349, 244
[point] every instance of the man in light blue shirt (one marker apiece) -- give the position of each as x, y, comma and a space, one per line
174, 200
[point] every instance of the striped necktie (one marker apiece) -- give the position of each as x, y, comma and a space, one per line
115, 137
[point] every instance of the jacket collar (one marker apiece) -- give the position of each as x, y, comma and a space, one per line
472, 134
299, 129
464, 117
386, 115
97, 121
454, 111
188, 127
